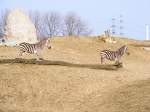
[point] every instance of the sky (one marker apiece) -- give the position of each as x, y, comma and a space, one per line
97, 13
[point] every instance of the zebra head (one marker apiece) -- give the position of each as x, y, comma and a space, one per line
125, 47
48, 44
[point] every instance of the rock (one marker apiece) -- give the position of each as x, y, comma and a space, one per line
19, 28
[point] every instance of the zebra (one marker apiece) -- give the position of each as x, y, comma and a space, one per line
114, 55
34, 48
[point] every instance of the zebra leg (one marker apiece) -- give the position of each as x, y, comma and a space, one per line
117, 60
38, 57
39, 54
20, 54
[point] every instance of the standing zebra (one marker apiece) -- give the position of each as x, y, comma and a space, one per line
114, 55
34, 48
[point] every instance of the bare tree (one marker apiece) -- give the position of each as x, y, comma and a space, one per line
37, 19
3, 17
53, 23
82, 28
73, 25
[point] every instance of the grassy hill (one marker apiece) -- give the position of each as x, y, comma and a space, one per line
38, 88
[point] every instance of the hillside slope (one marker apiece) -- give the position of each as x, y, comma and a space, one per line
37, 88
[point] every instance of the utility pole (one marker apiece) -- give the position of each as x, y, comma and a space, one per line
121, 27
113, 26
147, 32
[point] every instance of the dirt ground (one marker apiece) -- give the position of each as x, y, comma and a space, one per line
38, 88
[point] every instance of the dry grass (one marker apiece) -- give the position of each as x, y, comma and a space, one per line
39, 88
133, 97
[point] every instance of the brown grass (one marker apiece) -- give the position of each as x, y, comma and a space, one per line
133, 97
40, 88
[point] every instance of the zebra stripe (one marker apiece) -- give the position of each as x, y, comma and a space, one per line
26, 47
113, 55
33, 48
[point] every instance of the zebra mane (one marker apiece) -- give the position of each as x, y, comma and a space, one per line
42, 42
122, 49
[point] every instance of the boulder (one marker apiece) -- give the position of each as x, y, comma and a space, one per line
19, 28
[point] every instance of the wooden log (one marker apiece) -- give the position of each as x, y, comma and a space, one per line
62, 63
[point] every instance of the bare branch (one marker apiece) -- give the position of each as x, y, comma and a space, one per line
3, 16
75, 26
52, 22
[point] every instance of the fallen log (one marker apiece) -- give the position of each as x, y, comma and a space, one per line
62, 63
